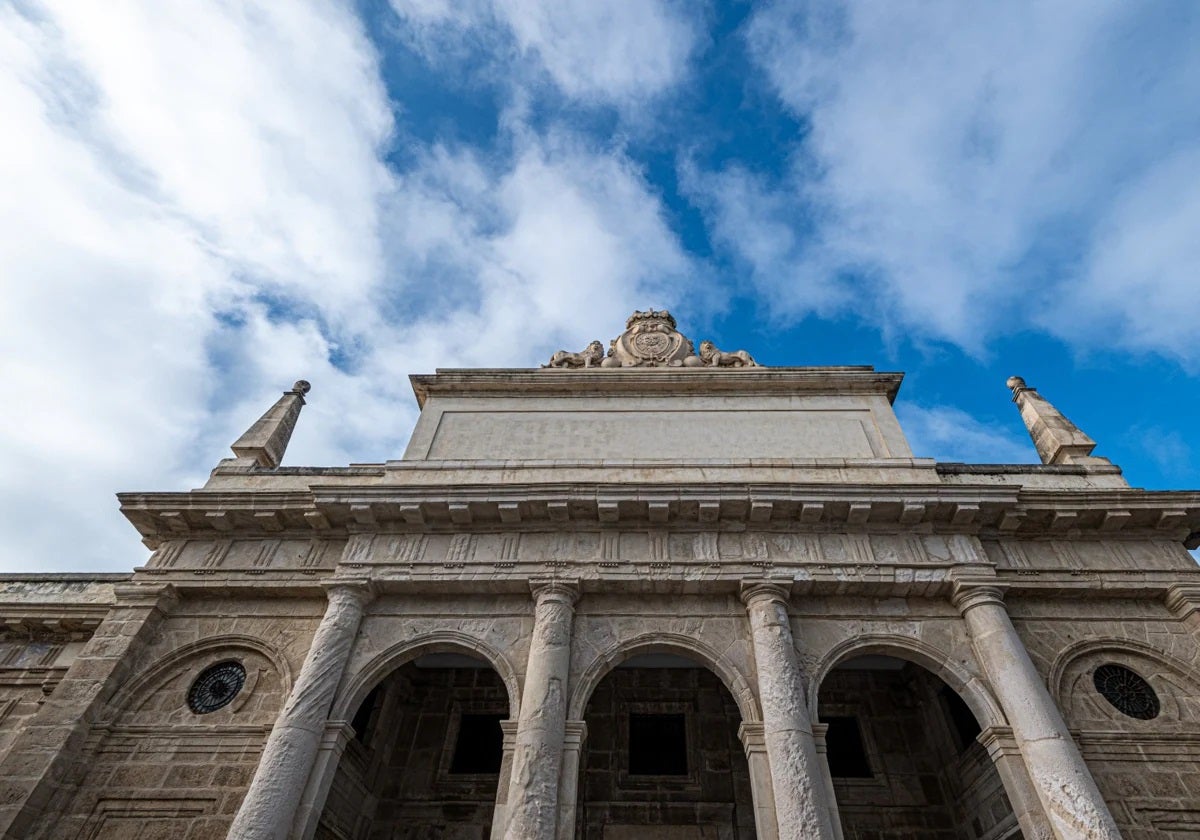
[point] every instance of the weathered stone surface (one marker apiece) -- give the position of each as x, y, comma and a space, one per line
791, 750
663, 491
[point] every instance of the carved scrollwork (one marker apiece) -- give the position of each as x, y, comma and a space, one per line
651, 340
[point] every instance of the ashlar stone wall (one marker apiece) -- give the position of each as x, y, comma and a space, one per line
1147, 770
153, 766
924, 782
397, 779
712, 797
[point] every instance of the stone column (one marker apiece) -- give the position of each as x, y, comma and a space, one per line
500, 811
755, 744
835, 819
1002, 747
568, 785
541, 727
48, 757
800, 807
274, 797
1068, 793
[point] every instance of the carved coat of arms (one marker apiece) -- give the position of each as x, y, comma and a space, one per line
651, 340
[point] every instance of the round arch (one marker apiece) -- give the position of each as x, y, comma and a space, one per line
1178, 671
171, 662
673, 643
974, 693
358, 685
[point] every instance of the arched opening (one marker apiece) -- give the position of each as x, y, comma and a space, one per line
426, 754
663, 757
903, 756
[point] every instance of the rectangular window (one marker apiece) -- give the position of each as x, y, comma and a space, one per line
480, 745
658, 745
844, 747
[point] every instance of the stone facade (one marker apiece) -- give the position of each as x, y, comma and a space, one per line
650, 594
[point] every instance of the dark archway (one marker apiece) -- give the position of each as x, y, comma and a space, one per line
904, 758
425, 757
663, 757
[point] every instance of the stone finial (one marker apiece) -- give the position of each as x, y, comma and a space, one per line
1057, 439
264, 443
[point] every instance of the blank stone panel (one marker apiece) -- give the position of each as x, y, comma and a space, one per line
649, 434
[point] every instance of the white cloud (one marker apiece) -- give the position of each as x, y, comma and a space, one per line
618, 52
1142, 286
979, 167
951, 434
196, 214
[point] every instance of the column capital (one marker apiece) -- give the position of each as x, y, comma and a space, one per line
562, 591
575, 733
752, 736
338, 733
969, 594
360, 590
1183, 599
819, 730
159, 596
998, 740
754, 591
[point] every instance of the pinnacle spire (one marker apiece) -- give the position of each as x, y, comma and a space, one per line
264, 443
1057, 439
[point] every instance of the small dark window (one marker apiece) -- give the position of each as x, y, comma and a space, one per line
658, 745
1128, 693
480, 745
216, 687
364, 719
844, 746
966, 728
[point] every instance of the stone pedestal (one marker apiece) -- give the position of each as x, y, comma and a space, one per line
568, 786
1002, 747
835, 820
541, 729
800, 808
273, 800
1067, 791
751, 734
500, 812
338, 734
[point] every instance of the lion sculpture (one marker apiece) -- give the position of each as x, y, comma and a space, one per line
590, 356
712, 357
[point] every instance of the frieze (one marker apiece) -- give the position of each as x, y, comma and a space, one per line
259, 555
662, 550
1024, 556
641, 546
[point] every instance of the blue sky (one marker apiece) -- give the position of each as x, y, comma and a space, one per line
205, 201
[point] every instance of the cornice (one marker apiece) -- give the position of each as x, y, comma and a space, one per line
663, 381
988, 511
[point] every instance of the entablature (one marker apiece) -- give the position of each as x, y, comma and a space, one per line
987, 511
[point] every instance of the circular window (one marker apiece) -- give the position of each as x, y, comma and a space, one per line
1128, 693
216, 687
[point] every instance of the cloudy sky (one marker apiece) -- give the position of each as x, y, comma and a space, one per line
203, 201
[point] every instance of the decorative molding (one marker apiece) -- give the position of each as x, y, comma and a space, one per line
989, 511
